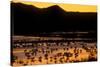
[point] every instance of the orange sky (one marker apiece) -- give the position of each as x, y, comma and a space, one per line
66, 7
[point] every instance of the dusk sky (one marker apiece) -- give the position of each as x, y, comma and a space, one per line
66, 7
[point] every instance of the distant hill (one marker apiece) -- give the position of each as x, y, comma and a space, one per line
28, 19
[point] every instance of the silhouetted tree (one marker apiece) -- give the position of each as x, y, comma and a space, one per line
46, 56
40, 59
32, 59
13, 59
21, 62
61, 61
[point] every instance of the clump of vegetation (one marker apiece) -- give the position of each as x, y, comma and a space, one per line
40, 59
14, 58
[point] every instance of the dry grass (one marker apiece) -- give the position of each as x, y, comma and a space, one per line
53, 58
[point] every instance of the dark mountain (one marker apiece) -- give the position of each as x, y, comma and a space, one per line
28, 19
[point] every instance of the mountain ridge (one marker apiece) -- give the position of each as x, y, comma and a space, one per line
53, 6
51, 19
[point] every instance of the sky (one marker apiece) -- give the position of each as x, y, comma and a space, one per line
86, 2
66, 7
